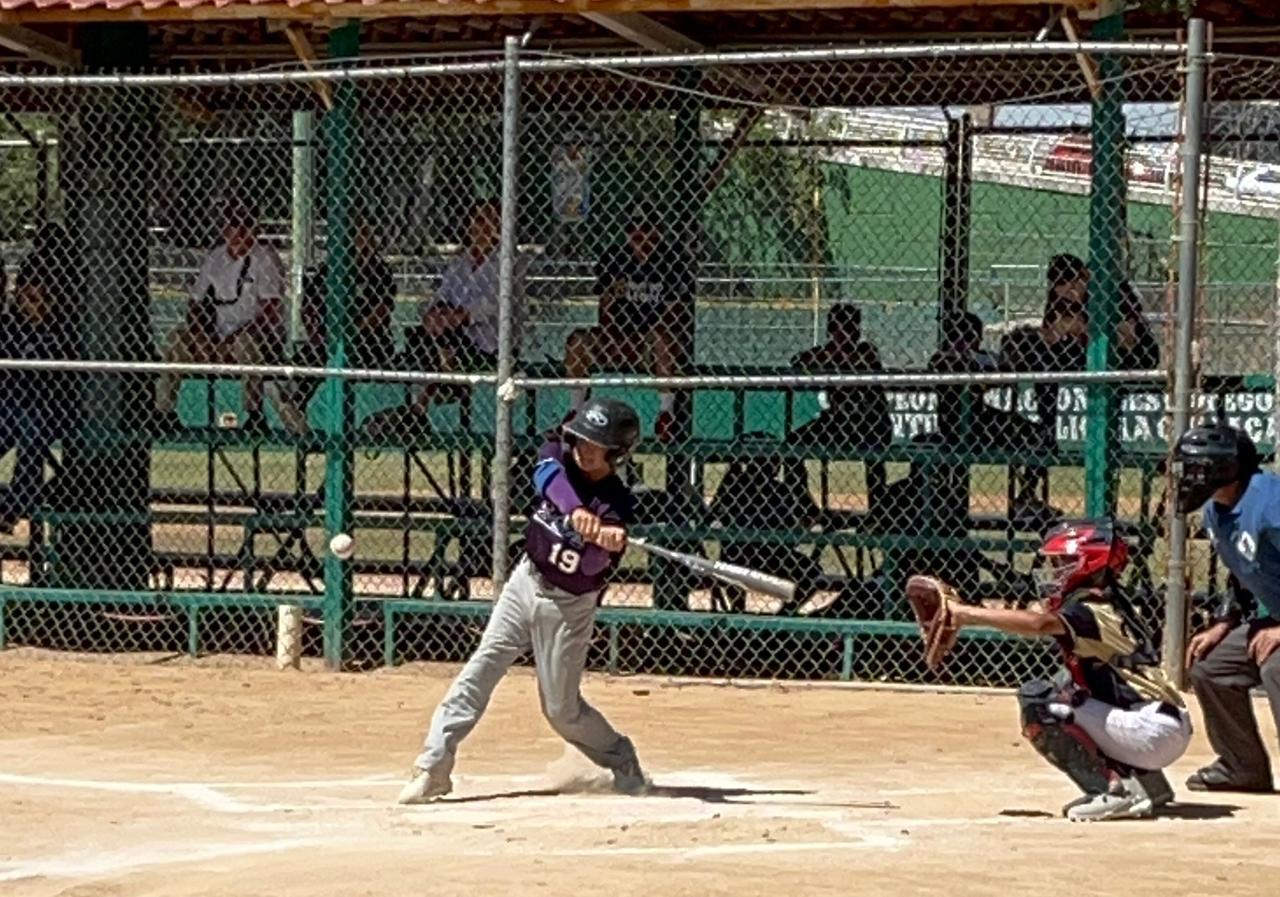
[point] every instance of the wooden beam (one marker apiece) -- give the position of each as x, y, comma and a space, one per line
39, 47
1087, 66
307, 53
320, 10
645, 32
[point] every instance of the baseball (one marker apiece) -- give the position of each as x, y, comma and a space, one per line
342, 546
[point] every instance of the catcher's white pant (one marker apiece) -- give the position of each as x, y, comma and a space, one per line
1142, 737
556, 626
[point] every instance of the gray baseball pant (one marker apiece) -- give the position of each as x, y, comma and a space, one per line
1222, 681
557, 627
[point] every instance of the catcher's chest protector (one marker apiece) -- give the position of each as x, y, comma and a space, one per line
1103, 644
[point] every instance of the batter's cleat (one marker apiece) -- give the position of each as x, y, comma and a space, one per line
1100, 807
423, 788
629, 778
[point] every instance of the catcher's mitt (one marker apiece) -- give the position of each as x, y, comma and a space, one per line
931, 601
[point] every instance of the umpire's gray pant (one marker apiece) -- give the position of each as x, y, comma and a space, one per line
1222, 681
556, 626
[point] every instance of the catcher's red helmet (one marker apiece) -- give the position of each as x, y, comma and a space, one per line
1080, 554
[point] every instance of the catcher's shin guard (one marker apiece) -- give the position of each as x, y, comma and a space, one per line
1048, 724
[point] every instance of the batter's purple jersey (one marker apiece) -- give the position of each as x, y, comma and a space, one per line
559, 553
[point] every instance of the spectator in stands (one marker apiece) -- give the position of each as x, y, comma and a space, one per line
855, 415
646, 288
990, 427
960, 352
459, 325
235, 315
1057, 344
1136, 345
38, 323
1068, 277
370, 343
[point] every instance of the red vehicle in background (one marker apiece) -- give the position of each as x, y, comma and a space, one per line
1074, 155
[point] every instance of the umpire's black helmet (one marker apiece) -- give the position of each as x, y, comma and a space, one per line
607, 422
1209, 457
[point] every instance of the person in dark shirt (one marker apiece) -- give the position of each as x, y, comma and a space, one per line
1111, 720
960, 352
855, 415
1136, 346
39, 406
645, 288
1057, 344
573, 543
369, 342
1068, 280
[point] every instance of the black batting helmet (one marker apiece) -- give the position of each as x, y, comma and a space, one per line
1209, 457
607, 422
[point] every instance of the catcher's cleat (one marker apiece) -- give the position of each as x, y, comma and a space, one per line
1155, 785
1101, 807
423, 788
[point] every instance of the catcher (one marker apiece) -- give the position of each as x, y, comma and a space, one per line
1110, 720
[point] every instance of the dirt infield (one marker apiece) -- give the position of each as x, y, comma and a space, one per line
227, 778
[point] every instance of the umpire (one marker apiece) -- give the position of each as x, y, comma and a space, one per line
1238, 652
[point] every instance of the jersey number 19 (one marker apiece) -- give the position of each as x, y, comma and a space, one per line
565, 558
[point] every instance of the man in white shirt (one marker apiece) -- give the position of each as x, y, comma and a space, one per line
460, 323
235, 315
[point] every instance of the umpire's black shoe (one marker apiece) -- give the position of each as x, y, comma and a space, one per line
1215, 778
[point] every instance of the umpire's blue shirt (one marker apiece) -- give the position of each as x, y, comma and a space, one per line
1247, 539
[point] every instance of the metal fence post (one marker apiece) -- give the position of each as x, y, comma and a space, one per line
1107, 222
502, 441
1175, 624
339, 466
304, 122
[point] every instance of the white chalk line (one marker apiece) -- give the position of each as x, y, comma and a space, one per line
130, 859
871, 842
883, 834
140, 787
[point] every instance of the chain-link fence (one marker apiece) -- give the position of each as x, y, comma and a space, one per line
881, 311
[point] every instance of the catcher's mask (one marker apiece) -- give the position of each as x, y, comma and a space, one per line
607, 422
1080, 554
1208, 458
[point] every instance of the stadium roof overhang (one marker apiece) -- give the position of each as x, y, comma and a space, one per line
231, 34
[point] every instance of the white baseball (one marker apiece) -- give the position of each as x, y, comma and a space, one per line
342, 546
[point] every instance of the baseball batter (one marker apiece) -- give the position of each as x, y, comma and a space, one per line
1110, 720
1240, 649
573, 542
